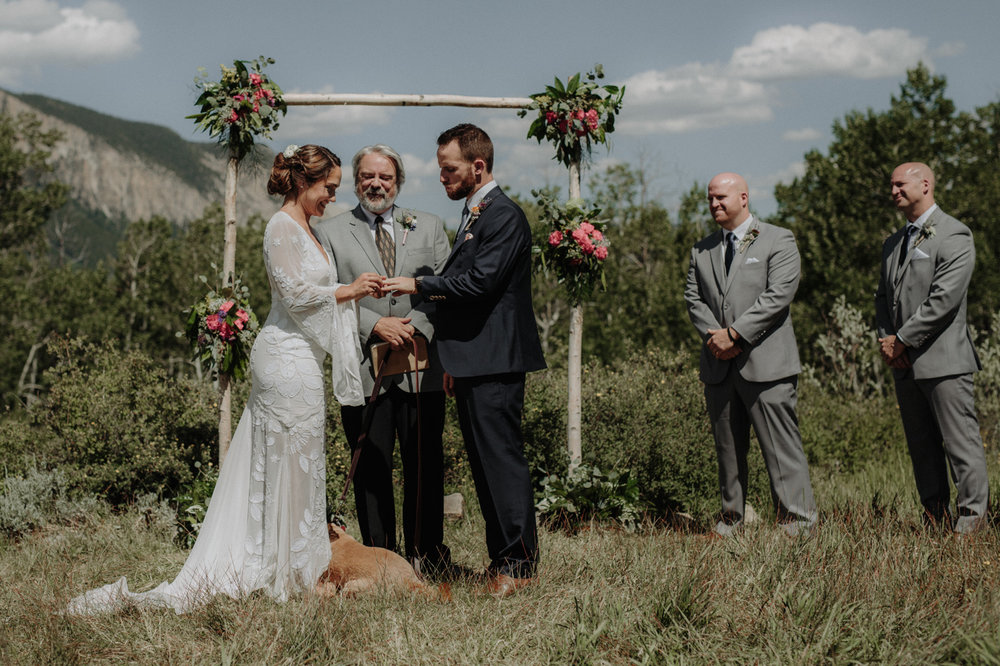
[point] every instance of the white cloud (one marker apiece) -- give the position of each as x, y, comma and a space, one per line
827, 49
39, 32
312, 121
804, 134
744, 90
690, 97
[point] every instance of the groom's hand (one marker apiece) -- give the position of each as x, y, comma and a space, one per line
394, 330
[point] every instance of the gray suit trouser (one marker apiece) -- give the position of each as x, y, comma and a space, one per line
939, 418
733, 406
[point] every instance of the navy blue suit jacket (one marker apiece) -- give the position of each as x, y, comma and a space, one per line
484, 321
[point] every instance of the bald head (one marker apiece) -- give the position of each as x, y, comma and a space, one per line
729, 200
912, 189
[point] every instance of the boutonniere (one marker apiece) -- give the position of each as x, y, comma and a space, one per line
926, 231
477, 210
408, 222
748, 238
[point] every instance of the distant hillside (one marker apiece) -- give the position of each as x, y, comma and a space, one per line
120, 171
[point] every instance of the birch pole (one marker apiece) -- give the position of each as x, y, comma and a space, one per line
228, 276
575, 362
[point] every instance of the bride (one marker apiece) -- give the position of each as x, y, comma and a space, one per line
265, 528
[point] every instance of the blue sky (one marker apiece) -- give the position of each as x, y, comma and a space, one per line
712, 85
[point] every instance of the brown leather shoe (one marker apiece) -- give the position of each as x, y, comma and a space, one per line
502, 585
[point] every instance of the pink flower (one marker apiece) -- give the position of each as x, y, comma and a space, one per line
256, 79
550, 117
592, 119
212, 322
586, 227
233, 118
597, 235
579, 235
555, 238
227, 306
239, 98
586, 246
578, 114
256, 107
601, 253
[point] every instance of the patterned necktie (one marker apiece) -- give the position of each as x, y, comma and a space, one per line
907, 235
386, 248
730, 250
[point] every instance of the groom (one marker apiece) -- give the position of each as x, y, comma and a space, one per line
380, 236
488, 340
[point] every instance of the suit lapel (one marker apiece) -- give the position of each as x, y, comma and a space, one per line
741, 248
363, 235
718, 264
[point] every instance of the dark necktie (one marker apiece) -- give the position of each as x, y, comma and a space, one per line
907, 235
465, 216
730, 250
386, 248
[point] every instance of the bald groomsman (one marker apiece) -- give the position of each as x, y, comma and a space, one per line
920, 313
740, 286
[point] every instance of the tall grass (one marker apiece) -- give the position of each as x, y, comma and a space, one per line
871, 586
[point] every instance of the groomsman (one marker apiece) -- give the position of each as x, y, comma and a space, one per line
740, 285
920, 313
380, 236
488, 340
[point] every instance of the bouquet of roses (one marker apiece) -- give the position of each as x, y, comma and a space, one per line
243, 103
576, 248
574, 115
221, 327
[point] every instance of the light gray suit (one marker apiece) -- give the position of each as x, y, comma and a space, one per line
758, 386
923, 303
395, 413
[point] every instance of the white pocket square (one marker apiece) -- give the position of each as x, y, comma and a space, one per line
920, 254
752, 260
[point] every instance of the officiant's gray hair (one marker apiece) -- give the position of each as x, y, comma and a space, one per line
386, 152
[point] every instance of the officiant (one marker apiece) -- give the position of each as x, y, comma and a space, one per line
380, 236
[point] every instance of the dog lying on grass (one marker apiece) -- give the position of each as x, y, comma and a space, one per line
357, 569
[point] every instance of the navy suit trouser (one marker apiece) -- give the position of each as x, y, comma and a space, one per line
489, 413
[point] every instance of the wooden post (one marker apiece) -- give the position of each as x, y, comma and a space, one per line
228, 273
575, 363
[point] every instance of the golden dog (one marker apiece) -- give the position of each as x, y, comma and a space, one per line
356, 569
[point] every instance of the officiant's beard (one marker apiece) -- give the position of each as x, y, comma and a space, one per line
376, 199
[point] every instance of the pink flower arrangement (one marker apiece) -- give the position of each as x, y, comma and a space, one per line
222, 328
576, 246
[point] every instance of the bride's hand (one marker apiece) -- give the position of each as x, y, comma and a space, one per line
366, 284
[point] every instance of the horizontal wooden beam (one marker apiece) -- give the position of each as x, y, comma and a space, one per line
375, 99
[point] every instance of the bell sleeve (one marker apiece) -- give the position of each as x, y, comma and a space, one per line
312, 305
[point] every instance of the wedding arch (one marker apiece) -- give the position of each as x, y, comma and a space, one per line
572, 116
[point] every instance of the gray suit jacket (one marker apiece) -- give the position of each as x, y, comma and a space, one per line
924, 300
754, 299
348, 239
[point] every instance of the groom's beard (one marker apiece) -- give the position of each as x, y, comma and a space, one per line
376, 200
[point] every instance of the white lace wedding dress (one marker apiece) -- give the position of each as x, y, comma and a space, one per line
265, 528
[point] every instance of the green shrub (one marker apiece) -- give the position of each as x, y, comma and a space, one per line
125, 427
842, 432
37, 497
646, 415
192, 504
586, 493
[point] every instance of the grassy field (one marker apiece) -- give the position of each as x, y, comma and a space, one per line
870, 587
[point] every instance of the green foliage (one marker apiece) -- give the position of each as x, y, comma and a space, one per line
192, 503
841, 212
574, 115
645, 414
851, 363
586, 493
126, 427
39, 497
241, 105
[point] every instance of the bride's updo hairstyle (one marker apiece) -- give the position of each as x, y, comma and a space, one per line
298, 167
